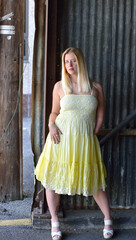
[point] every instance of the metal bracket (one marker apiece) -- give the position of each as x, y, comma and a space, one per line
7, 29
7, 17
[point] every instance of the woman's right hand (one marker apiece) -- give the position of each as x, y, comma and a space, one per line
54, 133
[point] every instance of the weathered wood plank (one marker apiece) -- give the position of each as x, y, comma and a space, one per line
10, 150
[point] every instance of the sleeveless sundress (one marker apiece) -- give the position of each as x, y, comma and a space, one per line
74, 166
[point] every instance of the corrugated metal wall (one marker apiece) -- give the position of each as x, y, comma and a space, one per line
106, 32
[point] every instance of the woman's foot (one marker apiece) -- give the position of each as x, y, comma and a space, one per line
56, 233
108, 229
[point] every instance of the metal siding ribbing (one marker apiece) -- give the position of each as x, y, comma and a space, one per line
106, 32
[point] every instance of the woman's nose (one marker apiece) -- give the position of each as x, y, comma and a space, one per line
70, 63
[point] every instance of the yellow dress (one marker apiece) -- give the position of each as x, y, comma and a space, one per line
74, 166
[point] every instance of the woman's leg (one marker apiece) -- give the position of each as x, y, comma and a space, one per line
53, 201
103, 203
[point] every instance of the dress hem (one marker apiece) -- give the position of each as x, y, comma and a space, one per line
62, 192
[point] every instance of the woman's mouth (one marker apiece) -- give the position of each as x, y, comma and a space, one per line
71, 69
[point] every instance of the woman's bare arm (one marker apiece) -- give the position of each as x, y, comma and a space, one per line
54, 131
100, 109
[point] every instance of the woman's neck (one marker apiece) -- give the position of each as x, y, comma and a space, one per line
73, 79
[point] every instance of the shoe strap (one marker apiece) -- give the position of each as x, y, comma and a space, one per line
108, 222
105, 231
53, 234
55, 224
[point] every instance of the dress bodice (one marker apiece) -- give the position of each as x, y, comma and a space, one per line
79, 103
77, 113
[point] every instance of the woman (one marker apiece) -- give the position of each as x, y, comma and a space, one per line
71, 159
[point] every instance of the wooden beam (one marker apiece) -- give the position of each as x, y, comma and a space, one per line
123, 132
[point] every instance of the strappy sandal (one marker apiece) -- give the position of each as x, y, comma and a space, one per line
108, 233
56, 235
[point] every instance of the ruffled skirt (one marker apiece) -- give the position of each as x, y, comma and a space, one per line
74, 166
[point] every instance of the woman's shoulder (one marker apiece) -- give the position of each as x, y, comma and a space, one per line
97, 89
58, 84
58, 88
97, 85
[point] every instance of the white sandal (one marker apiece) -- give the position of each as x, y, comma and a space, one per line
108, 233
56, 235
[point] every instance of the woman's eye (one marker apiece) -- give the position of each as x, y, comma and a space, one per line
72, 60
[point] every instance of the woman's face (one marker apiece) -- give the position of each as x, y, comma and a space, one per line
70, 63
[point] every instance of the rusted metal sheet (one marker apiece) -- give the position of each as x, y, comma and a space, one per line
105, 31
11, 53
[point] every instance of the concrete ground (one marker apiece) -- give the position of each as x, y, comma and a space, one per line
26, 232
15, 217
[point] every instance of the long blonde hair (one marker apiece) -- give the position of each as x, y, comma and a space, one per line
84, 83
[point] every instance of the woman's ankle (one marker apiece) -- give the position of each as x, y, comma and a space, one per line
107, 217
55, 219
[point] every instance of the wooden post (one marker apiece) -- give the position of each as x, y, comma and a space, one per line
37, 86
50, 61
41, 107
11, 65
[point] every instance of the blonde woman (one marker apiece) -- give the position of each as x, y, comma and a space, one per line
71, 159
